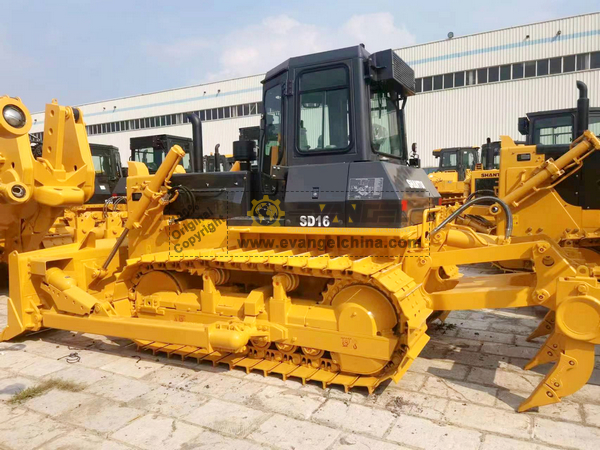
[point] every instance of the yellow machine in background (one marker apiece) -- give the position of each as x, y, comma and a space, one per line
462, 174
452, 180
35, 192
219, 267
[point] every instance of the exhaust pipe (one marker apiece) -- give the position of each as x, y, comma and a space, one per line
583, 109
217, 168
197, 156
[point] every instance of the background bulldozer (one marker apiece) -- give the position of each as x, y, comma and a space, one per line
323, 262
35, 191
550, 188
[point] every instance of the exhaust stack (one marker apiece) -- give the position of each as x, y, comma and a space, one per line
197, 156
583, 109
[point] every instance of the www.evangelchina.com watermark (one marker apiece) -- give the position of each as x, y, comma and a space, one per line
322, 244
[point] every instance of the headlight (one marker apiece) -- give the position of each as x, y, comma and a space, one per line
14, 116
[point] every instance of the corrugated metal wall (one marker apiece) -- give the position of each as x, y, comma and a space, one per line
445, 118
577, 35
469, 115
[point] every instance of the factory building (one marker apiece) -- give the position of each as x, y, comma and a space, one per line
468, 88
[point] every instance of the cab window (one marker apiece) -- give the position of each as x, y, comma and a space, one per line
273, 126
386, 135
553, 130
449, 159
595, 124
468, 159
324, 119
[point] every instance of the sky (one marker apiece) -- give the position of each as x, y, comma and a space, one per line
85, 51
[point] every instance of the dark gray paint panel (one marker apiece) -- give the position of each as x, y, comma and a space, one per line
312, 186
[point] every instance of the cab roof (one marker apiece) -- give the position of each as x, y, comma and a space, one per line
357, 51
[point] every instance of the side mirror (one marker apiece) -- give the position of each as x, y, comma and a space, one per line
524, 126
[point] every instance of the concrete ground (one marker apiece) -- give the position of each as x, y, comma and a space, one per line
461, 393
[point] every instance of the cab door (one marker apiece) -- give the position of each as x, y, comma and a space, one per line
273, 140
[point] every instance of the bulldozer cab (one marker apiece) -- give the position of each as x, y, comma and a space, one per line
332, 147
457, 159
107, 165
151, 150
555, 128
553, 131
490, 155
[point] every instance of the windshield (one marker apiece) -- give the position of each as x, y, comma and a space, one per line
103, 164
449, 160
153, 158
386, 136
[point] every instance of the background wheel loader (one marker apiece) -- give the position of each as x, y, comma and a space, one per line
322, 263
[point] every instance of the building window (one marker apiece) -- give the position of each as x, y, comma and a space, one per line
517, 71
555, 65
482, 76
494, 74
569, 63
448, 81
240, 110
459, 79
542, 67
470, 76
437, 82
226, 111
221, 113
595, 60
427, 84
246, 110
261, 110
169, 120
530, 69
583, 61
418, 85
505, 72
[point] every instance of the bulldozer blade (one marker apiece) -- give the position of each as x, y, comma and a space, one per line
544, 328
572, 371
549, 352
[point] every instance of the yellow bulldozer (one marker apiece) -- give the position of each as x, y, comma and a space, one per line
323, 262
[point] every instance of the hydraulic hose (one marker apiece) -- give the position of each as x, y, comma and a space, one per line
481, 192
485, 199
